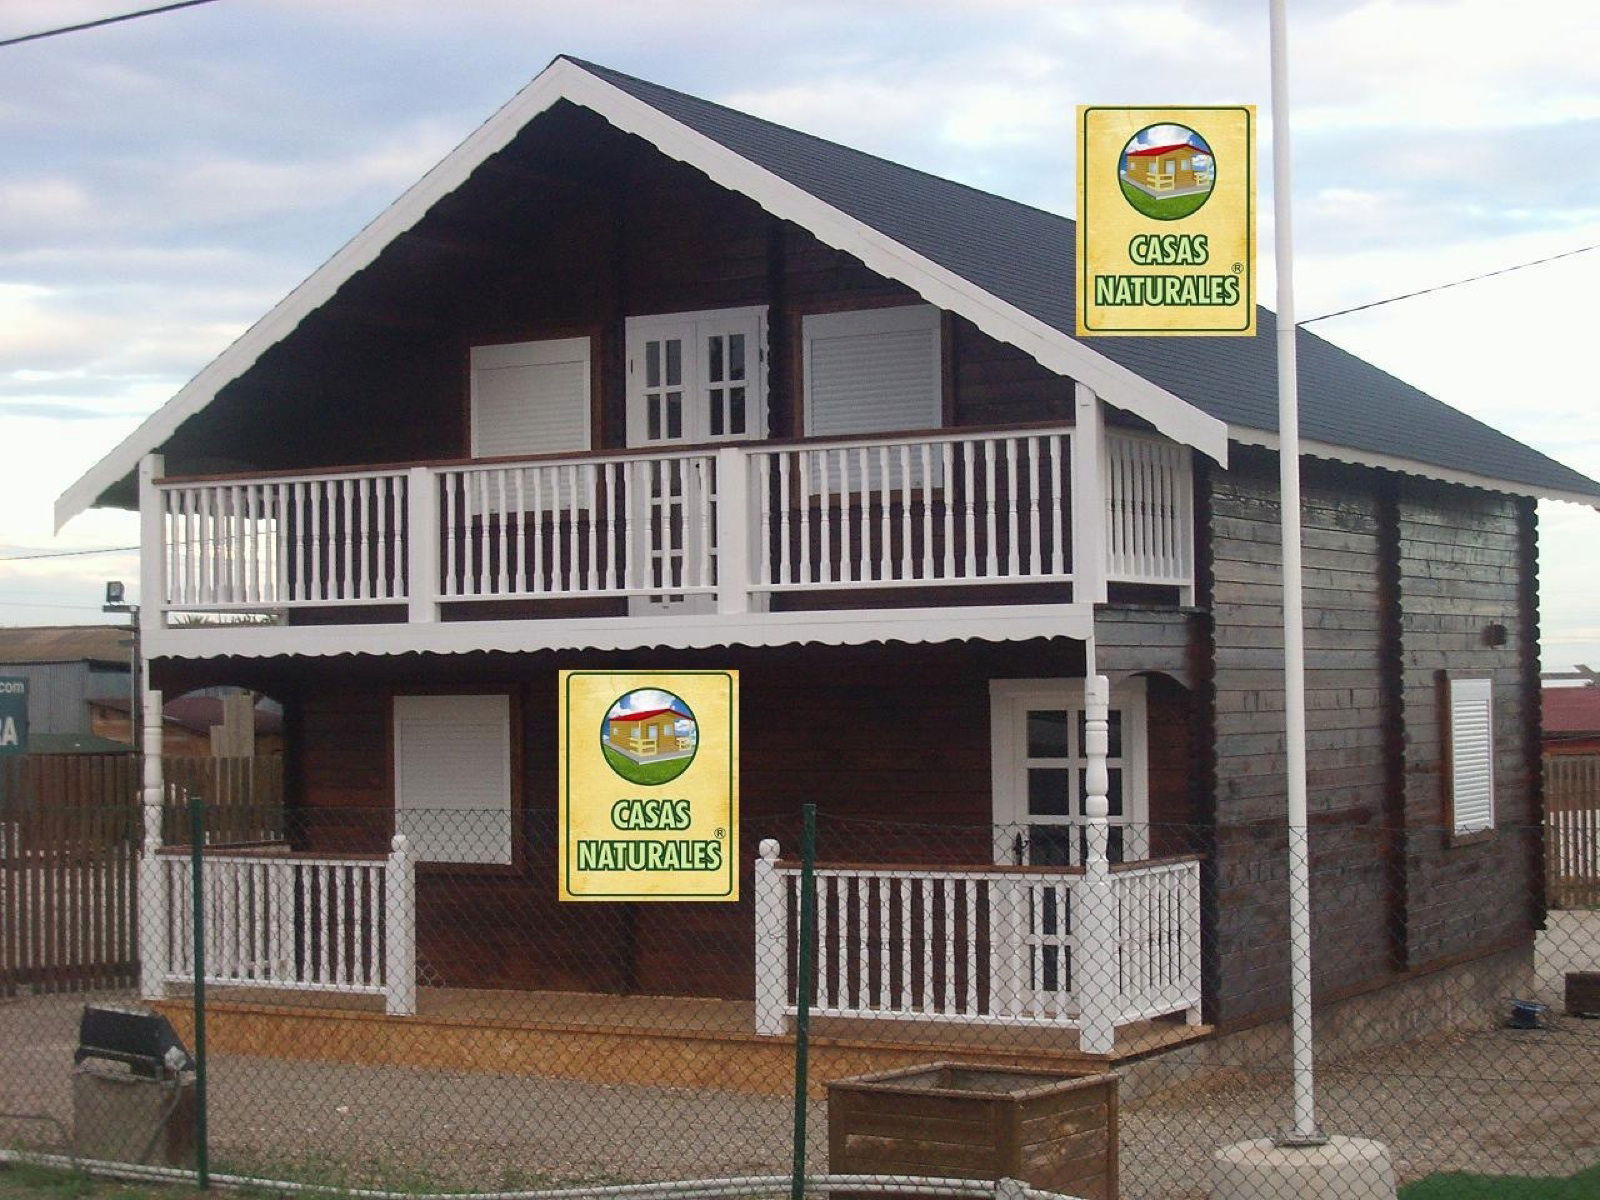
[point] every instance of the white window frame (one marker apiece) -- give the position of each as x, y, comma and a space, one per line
694, 328
1009, 702
865, 322
541, 352
1469, 709
421, 836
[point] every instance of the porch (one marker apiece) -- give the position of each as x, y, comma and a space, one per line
318, 953
751, 538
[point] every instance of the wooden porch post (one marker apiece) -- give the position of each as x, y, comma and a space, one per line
422, 546
1097, 969
734, 530
772, 958
154, 919
1088, 500
400, 930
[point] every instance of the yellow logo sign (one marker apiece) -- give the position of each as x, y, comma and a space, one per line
649, 801
1166, 221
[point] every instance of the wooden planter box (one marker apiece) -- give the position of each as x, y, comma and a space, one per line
1051, 1129
1583, 994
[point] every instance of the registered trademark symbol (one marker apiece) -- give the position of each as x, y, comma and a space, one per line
1238, 268
719, 835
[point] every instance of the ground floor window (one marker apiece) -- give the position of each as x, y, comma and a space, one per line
1039, 768
452, 777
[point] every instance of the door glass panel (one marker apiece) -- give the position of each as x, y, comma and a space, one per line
1048, 794
736, 410
736, 356
674, 415
714, 360
652, 408
652, 364
674, 363
1052, 845
1047, 734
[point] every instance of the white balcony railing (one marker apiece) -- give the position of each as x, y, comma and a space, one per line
734, 523
975, 945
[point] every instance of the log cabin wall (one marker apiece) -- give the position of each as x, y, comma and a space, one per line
568, 231
1401, 577
843, 727
1348, 772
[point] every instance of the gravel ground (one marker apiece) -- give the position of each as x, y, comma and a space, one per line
1493, 1101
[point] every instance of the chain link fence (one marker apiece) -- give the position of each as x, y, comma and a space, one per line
405, 1005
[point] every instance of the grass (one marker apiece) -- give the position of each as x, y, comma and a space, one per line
1585, 1185
647, 774
1167, 208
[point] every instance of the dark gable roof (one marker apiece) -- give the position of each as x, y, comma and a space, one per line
1025, 256
103, 644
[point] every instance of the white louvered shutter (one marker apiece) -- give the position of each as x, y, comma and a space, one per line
872, 371
1472, 754
452, 777
530, 398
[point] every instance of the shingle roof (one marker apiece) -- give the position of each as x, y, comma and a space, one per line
1571, 710
1025, 257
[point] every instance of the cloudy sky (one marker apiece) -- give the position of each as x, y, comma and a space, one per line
167, 180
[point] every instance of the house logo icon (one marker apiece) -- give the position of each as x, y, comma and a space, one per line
1167, 171
649, 736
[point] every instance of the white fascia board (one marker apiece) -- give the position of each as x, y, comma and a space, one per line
1409, 466
565, 80
989, 623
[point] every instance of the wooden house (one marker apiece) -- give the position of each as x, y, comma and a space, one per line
1172, 168
634, 381
652, 734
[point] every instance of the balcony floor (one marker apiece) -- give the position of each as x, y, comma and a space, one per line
661, 1041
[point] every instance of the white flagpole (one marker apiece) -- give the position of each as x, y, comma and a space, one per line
1306, 1130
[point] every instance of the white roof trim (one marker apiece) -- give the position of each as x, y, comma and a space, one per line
1409, 466
986, 623
564, 79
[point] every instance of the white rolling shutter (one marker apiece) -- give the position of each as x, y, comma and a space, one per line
872, 371
452, 777
530, 398
1471, 754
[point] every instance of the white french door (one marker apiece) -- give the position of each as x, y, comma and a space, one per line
693, 378
1039, 767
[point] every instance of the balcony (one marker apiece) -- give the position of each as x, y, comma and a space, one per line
752, 539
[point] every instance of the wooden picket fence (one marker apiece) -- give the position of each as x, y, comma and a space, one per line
71, 830
1572, 830
69, 846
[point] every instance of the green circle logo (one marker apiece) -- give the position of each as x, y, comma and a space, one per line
1166, 171
649, 736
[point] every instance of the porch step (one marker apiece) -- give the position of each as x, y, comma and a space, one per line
636, 1040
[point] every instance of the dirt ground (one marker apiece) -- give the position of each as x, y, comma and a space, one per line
1497, 1101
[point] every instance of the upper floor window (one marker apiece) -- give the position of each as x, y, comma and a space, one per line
697, 377
876, 370
530, 398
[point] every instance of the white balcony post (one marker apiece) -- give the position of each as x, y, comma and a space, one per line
154, 919
1089, 513
152, 548
400, 930
733, 530
422, 545
1007, 965
772, 957
1096, 970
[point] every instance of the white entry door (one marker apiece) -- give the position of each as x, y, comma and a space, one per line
1039, 765
693, 379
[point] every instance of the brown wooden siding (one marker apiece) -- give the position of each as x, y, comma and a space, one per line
845, 728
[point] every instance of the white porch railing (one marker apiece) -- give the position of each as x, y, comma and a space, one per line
735, 522
975, 945
292, 921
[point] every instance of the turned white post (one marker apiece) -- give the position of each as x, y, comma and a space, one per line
154, 919
400, 930
733, 530
1096, 969
772, 959
422, 545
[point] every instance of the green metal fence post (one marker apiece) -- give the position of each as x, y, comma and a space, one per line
802, 1015
197, 835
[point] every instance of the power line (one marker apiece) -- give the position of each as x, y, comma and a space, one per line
1457, 283
65, 553
144, 12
